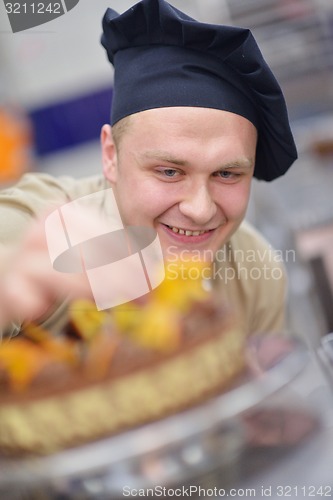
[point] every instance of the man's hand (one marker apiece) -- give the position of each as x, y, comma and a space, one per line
77, 252
29, 286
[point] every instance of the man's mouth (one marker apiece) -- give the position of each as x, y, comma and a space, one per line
187, 232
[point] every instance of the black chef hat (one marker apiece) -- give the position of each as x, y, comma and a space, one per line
164, 58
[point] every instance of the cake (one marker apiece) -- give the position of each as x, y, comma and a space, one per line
113, 370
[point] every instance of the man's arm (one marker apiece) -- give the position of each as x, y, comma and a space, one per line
29, 287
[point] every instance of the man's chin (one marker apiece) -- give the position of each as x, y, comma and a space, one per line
173, 253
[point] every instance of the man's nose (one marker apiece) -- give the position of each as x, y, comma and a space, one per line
198, 205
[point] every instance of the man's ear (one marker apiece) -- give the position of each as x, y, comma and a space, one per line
109, 154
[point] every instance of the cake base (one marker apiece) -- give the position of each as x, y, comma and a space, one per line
60, 421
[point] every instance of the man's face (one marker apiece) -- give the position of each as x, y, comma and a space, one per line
185, 171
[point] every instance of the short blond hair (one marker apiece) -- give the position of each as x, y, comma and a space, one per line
118, 130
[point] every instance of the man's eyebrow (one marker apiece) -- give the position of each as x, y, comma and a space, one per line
163, 156
239, 163
159, 155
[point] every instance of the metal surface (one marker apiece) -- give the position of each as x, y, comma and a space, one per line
305, 471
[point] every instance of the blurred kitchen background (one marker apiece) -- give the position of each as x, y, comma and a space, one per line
55, 93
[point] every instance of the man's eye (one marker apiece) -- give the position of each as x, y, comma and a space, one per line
169, 172
227, 174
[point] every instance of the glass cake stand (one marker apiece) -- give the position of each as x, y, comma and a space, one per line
202, 446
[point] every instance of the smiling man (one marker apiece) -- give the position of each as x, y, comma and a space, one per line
187, 171
196, 113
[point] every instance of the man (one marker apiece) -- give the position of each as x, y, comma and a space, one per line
196, 113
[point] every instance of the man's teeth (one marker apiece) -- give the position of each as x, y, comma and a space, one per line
187, 232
